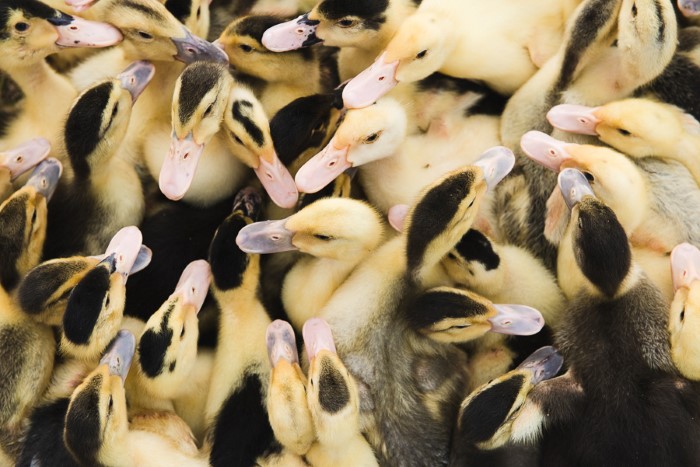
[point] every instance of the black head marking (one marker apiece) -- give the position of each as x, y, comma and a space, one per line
660, 18
83, 130
372, 12
180, 9
41, 283
85, 304
474, 246
143, 8
237, 111
13, 223
154, 344
228, 262
255, 26
83, 434
433, 307
601, 247
196, 82
488, 410
434, 213
333, 392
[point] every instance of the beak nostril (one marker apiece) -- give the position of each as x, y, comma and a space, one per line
275, 238
269, 176
381, 78
74, 28
19, 159
552, 153
187, 154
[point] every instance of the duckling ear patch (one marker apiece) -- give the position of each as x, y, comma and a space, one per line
437, 305
13, 222
82, 434
38, 286
487, 411
333, 392
84, 306
239, 109
433, 214
475, 246
153, 346
228, 262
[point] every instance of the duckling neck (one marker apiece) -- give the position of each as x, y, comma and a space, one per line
40, 85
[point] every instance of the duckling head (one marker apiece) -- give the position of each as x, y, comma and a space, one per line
684, 319
638, 127
365, 135
199, 102
97, 412
98, 120
599, 242
151, 32
23, 220
31, 30
614, 178
167, 348
336, 228
96, 305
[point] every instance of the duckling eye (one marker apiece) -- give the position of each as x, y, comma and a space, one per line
421, 54
461, 326
245, 48
21, 26
182, 333
472, 203
145, 35
589, 177
34, 217
107, 301
110, 404
325, 238
372, 138
623, 132
346, 23
682, 315
115, 110
209, 109
199, 12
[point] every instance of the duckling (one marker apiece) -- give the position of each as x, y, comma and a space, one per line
640, 199
336, 234
239, 430
31, 31
197, 117
431, 40
369, 339
285, 76
105, 193
27, 348
16, 161
616, 380
97, 429
95, 307
682, 314
374, 139
168, 365
333, 399
638, 128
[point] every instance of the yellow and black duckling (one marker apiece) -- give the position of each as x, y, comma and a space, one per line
281, 77
239, 429
638, 128
105, 193
97, 430
168, 366
16, 161
207, 98
95, 308
27, 348
336, 234
683, 315
31, 31
614, 339
375, 340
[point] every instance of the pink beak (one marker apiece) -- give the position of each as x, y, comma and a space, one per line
179, 167
544, 149
317, 337
374, 82
278, 182
685, 265
25, 156
574, 118
78, 32
323, 168
194, 284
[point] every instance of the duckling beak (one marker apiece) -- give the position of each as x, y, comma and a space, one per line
45, 177
323, 168
689, 8
281, 344
574, 118
291, 35
179, 167
25, 156
277, 181
119, 354
136, 77
685, 265
544, 149
374, 82
191, 49
194, 284
574, 187
249, 202
517, 320
77, 32
397, 216
544, 364
317, 337
496, 163
266, 237
126, 248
